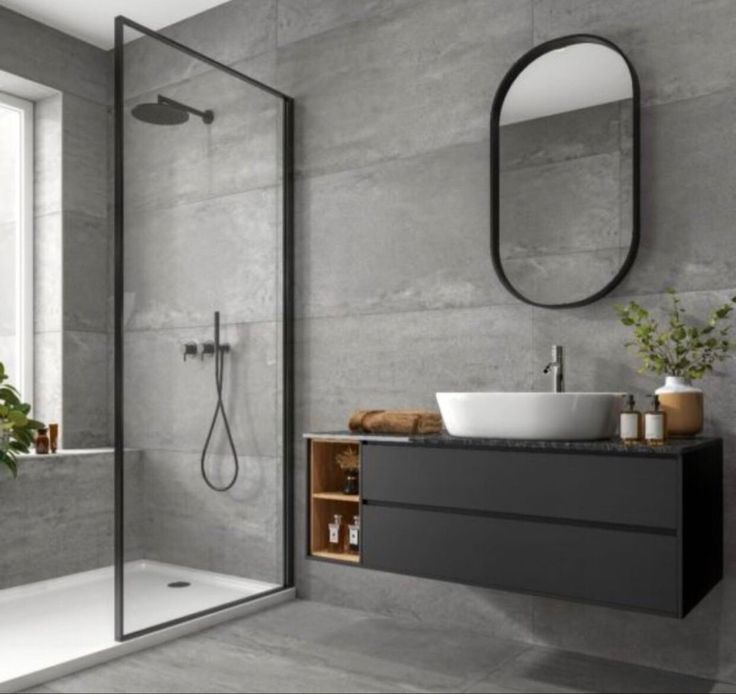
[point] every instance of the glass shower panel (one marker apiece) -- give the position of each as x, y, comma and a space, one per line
202, 522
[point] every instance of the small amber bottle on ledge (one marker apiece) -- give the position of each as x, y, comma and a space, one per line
42, 442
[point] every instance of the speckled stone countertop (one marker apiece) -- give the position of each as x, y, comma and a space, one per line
672, 447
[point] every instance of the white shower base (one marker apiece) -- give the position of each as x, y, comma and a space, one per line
68, 621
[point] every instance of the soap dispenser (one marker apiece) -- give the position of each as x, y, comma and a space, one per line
630, 422
655, 424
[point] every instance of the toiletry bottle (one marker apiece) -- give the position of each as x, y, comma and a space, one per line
53, 437
655, 424
42, 441
335, 533
630, 422
354, 534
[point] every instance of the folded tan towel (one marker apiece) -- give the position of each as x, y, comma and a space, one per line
396, 422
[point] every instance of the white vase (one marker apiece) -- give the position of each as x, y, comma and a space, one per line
683, 404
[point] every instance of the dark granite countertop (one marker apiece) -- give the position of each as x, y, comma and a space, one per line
444, 440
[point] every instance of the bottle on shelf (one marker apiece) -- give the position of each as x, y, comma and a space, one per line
354, 535
336, 533
42, 441
630, 423
655, 424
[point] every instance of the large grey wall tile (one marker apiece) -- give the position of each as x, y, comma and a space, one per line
57, 518
227, 33
84, 423
84, 134
240, 150
169, 403
86, 277
413, 234
237, 532
687, 205
42, 54
402, 359
298, 19
184, 262
393, 85
432, 603
680, 48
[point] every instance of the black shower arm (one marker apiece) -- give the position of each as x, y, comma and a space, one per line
206, 116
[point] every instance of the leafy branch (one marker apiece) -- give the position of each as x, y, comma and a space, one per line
679, 348
16, 427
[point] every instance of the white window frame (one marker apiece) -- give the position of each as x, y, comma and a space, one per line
24, 247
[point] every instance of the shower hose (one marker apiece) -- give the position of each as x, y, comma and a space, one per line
219, 355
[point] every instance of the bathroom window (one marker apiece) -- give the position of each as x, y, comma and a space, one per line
16, 241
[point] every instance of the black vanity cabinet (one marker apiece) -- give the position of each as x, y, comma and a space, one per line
596, 522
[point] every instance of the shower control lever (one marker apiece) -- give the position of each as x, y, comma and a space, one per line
189, 349
207, 349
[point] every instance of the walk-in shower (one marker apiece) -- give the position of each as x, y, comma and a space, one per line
203, 228
188, 519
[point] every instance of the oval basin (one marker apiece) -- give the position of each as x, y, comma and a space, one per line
539, 416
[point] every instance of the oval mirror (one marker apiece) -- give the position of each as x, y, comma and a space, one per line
565, 172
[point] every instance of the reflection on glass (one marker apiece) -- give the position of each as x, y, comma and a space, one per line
566, 172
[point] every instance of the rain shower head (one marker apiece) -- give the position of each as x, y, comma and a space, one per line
166, 111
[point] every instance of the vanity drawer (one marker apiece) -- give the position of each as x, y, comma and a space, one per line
627, 490
618, 567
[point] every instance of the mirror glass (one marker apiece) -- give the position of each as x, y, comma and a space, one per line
565, 228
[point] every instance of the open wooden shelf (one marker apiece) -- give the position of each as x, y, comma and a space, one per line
325, 500
335, 556
337, 496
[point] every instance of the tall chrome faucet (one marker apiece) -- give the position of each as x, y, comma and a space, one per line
557, 366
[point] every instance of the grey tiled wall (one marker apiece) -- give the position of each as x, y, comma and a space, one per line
57, 516
396, 295
397, 298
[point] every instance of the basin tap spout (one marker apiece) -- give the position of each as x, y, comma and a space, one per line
557, 367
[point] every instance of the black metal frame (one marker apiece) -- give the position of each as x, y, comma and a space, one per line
287, 337
498, 100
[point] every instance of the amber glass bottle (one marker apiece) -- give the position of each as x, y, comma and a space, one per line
42, 441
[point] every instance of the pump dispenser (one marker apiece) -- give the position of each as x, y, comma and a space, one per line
630, 422
655, 424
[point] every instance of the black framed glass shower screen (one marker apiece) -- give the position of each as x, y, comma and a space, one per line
203, 225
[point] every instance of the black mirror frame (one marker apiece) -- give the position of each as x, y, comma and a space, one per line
498, 100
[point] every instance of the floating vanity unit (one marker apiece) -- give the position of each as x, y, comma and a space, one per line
638, 528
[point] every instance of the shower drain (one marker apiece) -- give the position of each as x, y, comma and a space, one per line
179, 584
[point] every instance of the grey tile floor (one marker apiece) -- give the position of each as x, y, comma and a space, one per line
309, 647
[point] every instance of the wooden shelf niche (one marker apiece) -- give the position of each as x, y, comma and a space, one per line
326, 498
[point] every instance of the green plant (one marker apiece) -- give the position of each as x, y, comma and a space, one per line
679, 348
16, 427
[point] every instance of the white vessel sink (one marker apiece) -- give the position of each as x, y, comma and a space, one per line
540, 416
